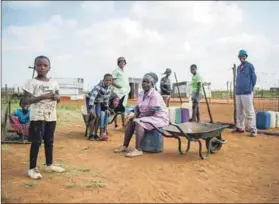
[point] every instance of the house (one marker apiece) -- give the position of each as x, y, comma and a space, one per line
135, 84
71, 88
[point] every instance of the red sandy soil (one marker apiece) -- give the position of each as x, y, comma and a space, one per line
245, 170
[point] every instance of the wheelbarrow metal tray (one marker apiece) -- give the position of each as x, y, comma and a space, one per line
197, 130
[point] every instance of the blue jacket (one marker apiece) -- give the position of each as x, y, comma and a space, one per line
246, 79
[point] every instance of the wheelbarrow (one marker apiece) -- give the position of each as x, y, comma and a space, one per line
196, 132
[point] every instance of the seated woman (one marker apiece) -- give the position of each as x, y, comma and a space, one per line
150, 108
20, 119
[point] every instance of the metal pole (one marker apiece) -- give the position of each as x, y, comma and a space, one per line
234, 93
33, 71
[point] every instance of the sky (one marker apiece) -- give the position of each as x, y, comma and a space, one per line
84, 39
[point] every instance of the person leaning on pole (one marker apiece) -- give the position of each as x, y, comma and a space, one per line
245, 82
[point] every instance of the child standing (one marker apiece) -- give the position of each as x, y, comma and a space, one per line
42, 94
197, 93
98, 107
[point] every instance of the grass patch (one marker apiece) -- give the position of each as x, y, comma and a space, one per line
96, 184
71, 185
4, 148
4, 197
81, 170
30, 184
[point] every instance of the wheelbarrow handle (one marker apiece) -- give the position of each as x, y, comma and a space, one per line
160, 131
180, 130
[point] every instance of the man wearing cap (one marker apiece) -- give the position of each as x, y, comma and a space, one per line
245, 82
165, 84
121, 84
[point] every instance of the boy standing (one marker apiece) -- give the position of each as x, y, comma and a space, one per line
245, 82
99, 102
42, 94
197, 93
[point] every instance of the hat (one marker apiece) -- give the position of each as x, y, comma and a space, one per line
168, 70
242, 52
152, 76
121, 59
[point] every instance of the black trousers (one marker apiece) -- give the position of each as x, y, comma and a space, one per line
38, 131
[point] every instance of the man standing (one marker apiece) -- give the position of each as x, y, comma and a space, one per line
245, 83
121, 84
165, 85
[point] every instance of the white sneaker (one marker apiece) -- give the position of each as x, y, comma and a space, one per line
121, 149
53, 168
34, 173
253, 133
134, 153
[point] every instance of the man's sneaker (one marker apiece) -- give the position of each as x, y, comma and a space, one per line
91, 137
121, 149
34, 173
253, 133
238, 130
134, 153
96, 137
53, 168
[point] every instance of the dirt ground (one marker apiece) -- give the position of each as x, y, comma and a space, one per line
245, 170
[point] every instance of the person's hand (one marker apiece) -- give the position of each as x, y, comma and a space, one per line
107, 112
92, 112
48, 95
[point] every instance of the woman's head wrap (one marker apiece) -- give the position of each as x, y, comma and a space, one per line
152, 77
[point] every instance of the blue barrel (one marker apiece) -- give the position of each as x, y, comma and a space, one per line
263, 120
152, 141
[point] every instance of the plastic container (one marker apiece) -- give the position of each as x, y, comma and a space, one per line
178, 116
277, 119
152, 142
263, 120
272, 119
189, 107
172, 114
185, 115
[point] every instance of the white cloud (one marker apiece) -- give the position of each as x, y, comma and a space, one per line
35, 38
26, 4
151, 35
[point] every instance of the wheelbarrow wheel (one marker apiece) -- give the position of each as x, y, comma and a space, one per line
214, 145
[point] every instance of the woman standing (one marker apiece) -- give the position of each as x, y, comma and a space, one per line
121, 84
150, 108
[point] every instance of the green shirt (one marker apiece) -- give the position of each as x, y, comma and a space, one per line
121, 79
195, 80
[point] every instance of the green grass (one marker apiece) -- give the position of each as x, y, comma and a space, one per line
30, 184
4, 197
96, 184
4, 148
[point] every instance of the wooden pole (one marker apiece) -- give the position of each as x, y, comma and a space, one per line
7, 95
208, 108
178, 88
234, 93
228, 92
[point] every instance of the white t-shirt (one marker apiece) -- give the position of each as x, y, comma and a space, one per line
46, 109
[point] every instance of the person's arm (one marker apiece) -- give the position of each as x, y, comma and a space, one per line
94, 93
163, 89
29, 98
57, 95
199, 85
253, 76
115, 76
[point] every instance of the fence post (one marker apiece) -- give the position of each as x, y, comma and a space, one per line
228, 92
7, 95
234, 94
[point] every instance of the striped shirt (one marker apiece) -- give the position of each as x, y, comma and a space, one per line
100, 94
